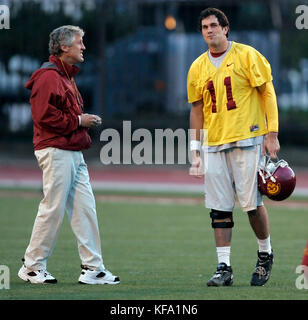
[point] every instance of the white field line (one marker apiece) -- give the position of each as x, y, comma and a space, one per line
161, 200
129, 186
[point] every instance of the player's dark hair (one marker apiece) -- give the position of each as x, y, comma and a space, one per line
221, 17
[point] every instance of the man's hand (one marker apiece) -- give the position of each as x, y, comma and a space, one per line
271, 145
196, 168
90, 120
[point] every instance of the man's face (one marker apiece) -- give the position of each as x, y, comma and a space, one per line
213, 33
74, 53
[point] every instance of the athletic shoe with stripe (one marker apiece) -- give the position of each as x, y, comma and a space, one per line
90, 276
263, 269
222, 277
35, 276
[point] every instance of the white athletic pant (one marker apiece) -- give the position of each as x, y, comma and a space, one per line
231, 174
66, 187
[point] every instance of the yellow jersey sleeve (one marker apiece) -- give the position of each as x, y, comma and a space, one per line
258, 69
270, 107
194, 89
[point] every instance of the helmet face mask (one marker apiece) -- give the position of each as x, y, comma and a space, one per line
276, 180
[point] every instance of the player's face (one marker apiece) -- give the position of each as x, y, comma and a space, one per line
213, 33
74, 53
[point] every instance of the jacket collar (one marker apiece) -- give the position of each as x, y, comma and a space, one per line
71, 70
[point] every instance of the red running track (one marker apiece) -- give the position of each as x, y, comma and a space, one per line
128, 174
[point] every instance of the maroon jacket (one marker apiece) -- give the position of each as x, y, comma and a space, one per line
55, 108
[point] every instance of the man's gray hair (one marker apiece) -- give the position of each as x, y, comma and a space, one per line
63, 36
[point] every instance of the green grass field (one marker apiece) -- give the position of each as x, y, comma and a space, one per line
160, 252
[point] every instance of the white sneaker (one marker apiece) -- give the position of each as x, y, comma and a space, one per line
35, 276
89, 276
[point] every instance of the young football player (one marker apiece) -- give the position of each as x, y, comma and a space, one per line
233, 100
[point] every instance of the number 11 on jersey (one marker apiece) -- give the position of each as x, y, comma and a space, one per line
230, 102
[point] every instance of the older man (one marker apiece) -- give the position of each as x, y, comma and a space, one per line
60, 133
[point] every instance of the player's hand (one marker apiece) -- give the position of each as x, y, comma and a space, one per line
90, 120
271, 145
196, 168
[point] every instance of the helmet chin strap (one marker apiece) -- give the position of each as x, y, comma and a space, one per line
269, 167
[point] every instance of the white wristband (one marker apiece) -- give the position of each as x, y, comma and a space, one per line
195, 145
79, 120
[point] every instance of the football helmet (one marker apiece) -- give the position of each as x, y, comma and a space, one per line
276, 180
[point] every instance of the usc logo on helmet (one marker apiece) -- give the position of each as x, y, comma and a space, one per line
273, 188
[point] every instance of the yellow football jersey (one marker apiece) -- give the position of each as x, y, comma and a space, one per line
232, 106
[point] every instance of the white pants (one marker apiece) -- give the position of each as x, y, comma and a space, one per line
232, 173
66, 186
